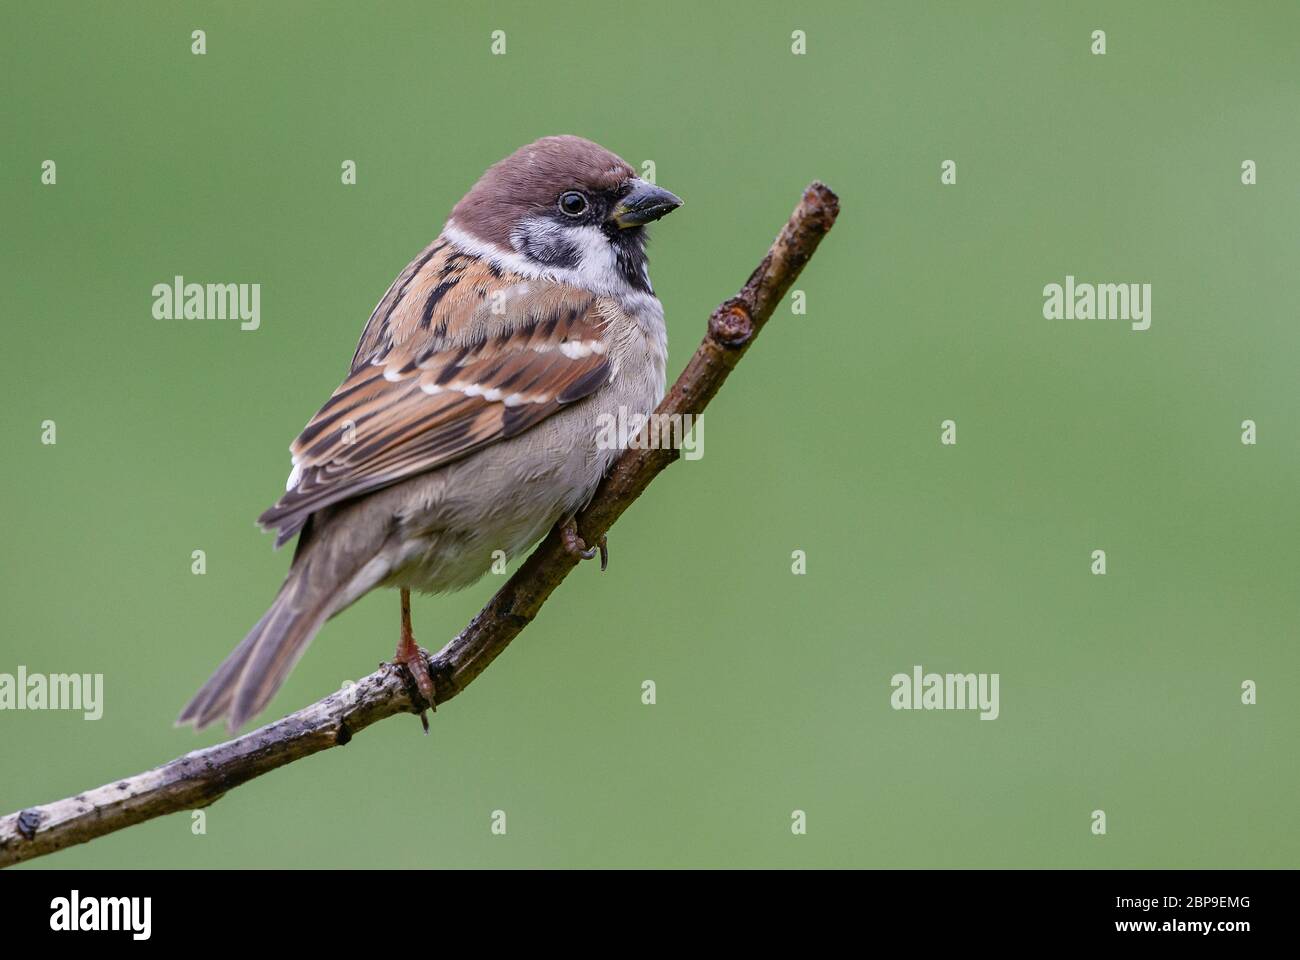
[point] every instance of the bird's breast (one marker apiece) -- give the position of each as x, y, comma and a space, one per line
458, 522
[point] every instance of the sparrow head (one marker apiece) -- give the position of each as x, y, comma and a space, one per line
566, 207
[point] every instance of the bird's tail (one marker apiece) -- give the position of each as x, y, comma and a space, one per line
254, 671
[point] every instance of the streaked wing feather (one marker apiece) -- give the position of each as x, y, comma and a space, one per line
433, 382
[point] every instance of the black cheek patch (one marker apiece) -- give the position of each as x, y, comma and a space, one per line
552, 252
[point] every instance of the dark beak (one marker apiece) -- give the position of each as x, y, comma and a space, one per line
644, 204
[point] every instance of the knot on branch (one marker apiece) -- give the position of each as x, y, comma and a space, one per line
28, 821
730, 325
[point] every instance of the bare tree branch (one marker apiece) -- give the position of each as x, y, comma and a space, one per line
203, 776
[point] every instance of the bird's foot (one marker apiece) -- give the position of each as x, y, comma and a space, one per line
575, 545
414, 660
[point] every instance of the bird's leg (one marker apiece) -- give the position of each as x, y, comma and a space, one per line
575, 545
415, 659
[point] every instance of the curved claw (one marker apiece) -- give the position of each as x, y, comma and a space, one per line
575, 545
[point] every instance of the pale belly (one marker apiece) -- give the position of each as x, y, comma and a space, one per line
457, 521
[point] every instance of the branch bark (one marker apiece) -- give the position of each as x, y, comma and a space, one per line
203, 776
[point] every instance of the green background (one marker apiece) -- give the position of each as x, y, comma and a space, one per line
1119, 692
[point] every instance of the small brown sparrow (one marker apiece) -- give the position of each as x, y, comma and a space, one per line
468, 422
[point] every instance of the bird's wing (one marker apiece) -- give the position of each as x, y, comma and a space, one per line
451, 361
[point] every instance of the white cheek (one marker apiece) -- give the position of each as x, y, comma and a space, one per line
597, 262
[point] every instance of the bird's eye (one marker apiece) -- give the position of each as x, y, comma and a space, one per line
572, 203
